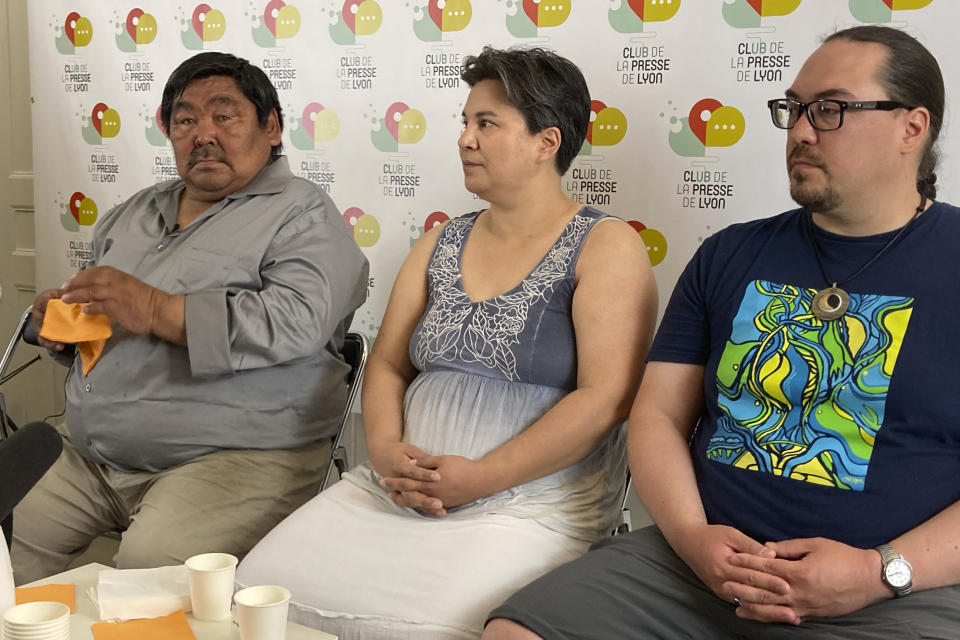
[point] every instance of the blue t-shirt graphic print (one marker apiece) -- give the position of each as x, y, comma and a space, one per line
801, 397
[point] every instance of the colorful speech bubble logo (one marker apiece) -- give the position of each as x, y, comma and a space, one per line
547, 13
629, 16
139, 28
709, 124
142, 27
607, 127
882, 10
280, 20
357, 18
83, 209
78, 29
283, 20
400, 125
716, 125
450, 15
655, 242
322, 124
317, 124
208, 23
747, 14
525, 17
442, 16
366, 228
105, 120
362, 17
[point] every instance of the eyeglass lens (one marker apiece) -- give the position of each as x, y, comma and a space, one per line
823, 114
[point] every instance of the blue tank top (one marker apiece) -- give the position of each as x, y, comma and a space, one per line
523, 335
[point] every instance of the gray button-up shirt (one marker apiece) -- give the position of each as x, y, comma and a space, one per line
271, 276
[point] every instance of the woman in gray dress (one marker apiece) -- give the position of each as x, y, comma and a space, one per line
494, 397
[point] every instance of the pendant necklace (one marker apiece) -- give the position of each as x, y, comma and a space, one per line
831, 303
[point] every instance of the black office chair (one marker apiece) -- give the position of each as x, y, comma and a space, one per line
355, 348
26, 332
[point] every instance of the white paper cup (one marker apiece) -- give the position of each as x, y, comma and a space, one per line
37, 621
262, 612
211, 584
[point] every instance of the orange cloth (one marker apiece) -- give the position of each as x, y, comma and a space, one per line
48, 593
67, 323
171, 627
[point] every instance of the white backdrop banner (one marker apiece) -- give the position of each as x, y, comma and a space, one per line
681, 143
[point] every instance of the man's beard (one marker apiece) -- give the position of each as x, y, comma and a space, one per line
820, 201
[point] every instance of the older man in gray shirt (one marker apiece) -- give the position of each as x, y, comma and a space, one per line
229, 291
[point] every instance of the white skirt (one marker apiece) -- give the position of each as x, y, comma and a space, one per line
359, 569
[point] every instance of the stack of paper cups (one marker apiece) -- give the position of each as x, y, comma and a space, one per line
7, 597
37, 621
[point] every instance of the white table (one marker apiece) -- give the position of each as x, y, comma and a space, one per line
86, 576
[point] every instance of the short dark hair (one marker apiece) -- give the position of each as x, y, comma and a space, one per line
911, 76
253, 82
546, 88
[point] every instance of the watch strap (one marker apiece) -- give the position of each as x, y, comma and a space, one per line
887, 555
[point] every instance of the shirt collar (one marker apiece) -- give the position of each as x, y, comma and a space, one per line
272, 178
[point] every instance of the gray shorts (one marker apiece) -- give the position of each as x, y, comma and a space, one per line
634, 586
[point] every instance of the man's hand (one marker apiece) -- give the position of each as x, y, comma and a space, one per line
709, 551
37, 313
459, 480
827, 579
127, 301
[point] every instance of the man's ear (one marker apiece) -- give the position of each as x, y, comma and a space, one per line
272, 128
916, 129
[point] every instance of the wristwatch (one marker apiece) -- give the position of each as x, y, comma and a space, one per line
897, 572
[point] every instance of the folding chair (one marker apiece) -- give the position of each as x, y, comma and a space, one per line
624, 524
355, 349
25, 332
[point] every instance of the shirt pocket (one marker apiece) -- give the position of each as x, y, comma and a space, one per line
199, 269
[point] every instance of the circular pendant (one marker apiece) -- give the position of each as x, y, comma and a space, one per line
830, 303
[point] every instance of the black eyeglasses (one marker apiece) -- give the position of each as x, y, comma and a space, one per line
824, 115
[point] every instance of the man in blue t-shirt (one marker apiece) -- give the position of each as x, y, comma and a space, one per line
796, 437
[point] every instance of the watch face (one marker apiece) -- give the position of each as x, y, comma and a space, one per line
898, 573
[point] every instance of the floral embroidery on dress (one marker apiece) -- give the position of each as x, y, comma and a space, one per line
486, 332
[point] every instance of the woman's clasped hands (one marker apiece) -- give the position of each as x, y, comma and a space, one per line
429, 484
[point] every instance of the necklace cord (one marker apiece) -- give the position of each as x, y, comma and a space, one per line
816, 245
